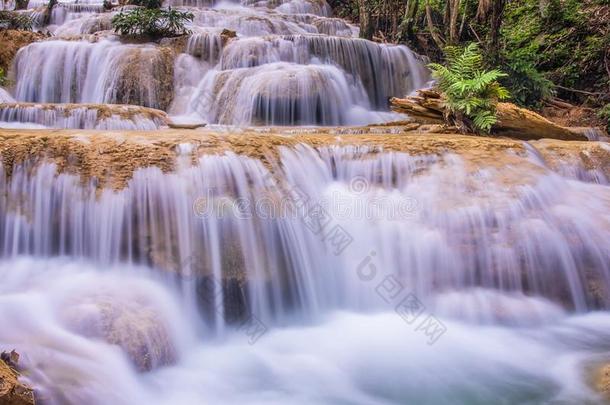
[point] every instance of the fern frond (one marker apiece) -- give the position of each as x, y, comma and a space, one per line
469, 90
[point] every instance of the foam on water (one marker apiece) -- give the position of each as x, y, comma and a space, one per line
345, 357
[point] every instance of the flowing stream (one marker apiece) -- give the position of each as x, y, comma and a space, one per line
213, 283
275, 63
319, 274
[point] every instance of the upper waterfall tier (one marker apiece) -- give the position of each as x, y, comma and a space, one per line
256, 63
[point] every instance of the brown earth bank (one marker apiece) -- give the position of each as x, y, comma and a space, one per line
12, 391
13, 40
112, 156
568, 115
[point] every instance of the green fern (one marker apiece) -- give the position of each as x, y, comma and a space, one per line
471, 93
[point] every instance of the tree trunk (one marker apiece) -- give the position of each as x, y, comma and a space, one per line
497, 13
454, 13
366, 28
435, 36
410, 15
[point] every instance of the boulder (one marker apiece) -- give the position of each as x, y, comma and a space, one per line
12, 391
132, 325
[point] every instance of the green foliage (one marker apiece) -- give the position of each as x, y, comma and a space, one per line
566, 41
155, 23
147, 3
471, 92
12, 20
3, 79
528, 87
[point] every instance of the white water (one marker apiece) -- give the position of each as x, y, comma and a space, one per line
343, 358
84, 72
79, 117
505, 267
303, 64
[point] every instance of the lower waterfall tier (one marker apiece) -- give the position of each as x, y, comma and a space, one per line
439, 213
319, 265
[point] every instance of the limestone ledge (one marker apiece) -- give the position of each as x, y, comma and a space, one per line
112, 156
103, 111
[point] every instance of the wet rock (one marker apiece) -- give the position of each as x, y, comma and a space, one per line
83, 116
601, 381
12, 41
131, 324
98, 24
13, 392
228, 35
146, 74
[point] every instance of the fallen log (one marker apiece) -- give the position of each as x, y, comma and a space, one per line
427, 107
520, 123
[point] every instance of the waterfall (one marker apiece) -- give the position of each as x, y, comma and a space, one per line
278, 94
99, 72
308, 67
206, 46
5, 96
328, 254
249, 227
83, 116
249, 262
385, 71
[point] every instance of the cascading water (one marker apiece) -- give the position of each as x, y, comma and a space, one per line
103, 72
302, 60
253, 266
327, 256
83, 116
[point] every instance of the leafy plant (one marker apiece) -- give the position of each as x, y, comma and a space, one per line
471, 93
155, 23
528, 87
12, 20
3, 80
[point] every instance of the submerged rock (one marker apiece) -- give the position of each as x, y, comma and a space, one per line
13, 392
132, 325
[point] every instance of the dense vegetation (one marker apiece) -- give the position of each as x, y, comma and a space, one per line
11, 20
152, 22
546, 47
